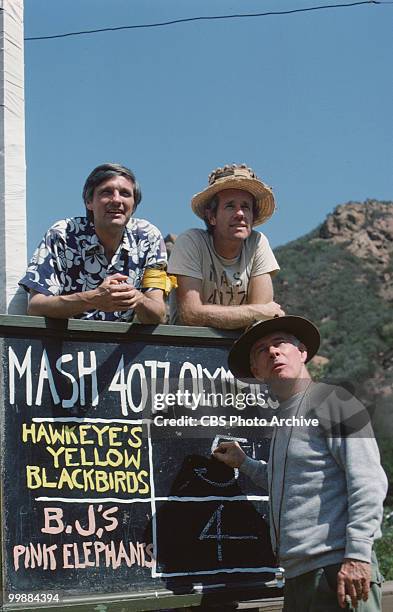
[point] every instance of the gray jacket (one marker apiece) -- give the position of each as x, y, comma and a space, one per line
325, 482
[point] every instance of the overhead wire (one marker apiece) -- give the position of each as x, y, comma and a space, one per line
206, 18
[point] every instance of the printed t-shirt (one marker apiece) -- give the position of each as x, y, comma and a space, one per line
224, 281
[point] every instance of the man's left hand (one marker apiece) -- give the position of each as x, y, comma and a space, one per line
353, 579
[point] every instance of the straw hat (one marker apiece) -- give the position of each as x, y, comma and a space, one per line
301, 328
236, 176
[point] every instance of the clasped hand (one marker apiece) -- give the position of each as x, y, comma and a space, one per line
115, 294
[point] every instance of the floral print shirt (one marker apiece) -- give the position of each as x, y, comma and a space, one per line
70, 258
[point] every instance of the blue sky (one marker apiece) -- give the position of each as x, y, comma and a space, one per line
304, 99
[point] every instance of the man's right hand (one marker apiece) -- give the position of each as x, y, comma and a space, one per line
353, 580
230, 453
267, 311
112, 295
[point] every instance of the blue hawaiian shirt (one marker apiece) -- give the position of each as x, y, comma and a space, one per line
70, 258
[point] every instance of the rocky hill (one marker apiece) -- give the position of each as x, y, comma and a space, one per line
366, 230
341, 276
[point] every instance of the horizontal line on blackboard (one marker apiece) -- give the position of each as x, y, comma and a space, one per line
89, 500
214, 497
231, 570
85, 420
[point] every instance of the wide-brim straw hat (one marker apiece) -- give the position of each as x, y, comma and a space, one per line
236, 177
303, 329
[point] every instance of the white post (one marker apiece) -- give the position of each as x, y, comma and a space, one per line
12, 158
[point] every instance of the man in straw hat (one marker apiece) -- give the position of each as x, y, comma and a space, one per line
325, 481
224, 272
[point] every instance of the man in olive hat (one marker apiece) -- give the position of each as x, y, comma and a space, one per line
325, 481
224, 272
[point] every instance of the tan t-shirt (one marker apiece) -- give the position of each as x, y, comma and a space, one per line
224, 281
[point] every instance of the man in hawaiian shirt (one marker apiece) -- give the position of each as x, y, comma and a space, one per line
105, 266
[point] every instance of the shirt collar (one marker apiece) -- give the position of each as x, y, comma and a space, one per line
126, 244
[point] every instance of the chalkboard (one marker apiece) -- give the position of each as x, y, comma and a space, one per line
108, 480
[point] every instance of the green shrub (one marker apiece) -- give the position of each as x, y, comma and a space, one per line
384, 547
339, 292
386, 332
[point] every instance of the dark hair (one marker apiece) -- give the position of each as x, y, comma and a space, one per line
102, 173
212, 206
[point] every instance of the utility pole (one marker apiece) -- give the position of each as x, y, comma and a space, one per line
12, 158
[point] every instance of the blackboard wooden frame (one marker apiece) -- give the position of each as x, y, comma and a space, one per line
19, 327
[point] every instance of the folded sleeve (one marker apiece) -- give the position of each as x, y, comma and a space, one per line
186, 256
357, 454
264, 260
45, 272
156, 257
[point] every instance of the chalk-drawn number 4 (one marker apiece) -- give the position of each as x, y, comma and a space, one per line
213, 531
